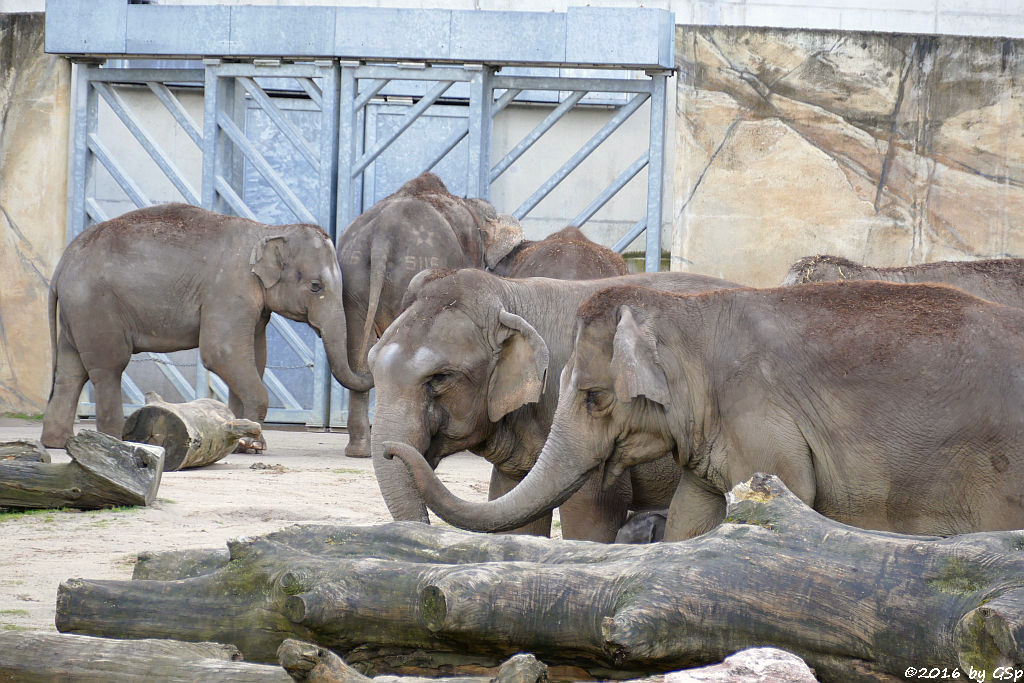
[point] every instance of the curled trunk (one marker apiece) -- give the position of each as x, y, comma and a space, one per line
396, 484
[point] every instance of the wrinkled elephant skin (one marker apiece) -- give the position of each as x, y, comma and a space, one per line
883, 406
174, 277
473, 364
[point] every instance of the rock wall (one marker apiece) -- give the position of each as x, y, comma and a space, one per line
887, 149
34, 128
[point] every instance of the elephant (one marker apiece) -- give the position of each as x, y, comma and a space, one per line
644, 526
884, 406
472, 364
421, 226
565, 255
1000, 280
173, 277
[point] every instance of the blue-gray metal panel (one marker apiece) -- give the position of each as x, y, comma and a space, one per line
624, 35
86, 26
175, 108
607, 85
619, 36
152, 148
106, 74
523, 145
481, 104
281, 31
389, 33
284, 126
173, 29
508, 37
581, 154
120, 175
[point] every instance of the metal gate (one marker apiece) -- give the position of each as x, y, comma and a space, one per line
321, 139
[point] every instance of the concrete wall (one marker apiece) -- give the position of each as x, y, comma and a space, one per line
887, 149
34, 121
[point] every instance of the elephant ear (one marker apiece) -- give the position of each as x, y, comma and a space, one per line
635, 368
518, 376
502, 234
266, 260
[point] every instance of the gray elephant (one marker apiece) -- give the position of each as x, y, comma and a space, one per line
883, 406
420, 226
173, 277
473, 364
1000, 280
565, 255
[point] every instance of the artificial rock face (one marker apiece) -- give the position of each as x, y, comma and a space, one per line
35, 111
886, 149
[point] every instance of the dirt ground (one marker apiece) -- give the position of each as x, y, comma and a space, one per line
309, 480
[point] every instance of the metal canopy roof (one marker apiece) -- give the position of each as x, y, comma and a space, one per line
635, 38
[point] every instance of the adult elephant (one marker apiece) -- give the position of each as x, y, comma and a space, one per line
880, 405
173, 277
420, 226
564, 255
1000, 280
473, 364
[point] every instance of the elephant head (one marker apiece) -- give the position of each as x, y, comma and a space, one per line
502, 234
298, 269
611, 413
447, 370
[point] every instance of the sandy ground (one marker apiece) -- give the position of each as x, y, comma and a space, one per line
197, 508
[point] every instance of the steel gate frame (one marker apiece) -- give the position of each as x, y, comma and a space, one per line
441, 49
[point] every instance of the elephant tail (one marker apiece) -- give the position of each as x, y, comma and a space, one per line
51, 313
380, 251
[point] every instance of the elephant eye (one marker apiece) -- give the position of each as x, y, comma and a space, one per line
315, 286
438, 382
595, 400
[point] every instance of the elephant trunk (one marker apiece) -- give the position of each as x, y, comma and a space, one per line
546, 487
334, 333
396, 485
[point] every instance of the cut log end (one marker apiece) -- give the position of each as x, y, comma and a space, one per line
992, 635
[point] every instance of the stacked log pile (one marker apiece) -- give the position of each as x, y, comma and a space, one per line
414, 599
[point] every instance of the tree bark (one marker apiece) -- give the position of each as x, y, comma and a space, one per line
43, 656
103, 472
854, 604
24, 450
193, 434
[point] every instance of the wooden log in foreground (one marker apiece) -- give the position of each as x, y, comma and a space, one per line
193, 434
45, 656
104, 472
854, 604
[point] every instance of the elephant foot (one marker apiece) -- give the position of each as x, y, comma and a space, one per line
55, 440
248, 444
358, 448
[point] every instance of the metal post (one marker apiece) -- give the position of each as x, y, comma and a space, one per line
655, 173
481, 103
347, 208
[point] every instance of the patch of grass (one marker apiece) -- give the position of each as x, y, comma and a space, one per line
11, 582
14, 612
165, 500
48, 514
14, 627
119, 508
349, 471
37, 417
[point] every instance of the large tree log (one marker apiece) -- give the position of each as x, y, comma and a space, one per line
193, 434
854, 604
103, 472
44, 656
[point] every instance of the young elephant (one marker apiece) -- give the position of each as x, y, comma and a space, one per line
1000, 280
173, 277
473, 364
565, 255
885, 406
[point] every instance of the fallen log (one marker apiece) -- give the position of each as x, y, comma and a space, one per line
193, 434
104, 472
25, 450
854, 604
45, 656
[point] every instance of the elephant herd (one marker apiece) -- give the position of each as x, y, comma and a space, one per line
885, 398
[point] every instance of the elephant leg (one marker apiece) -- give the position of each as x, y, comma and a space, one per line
236, 365
695, 509
69, 378
106, 379
501, 484
259, 344
594, 514
358, 401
